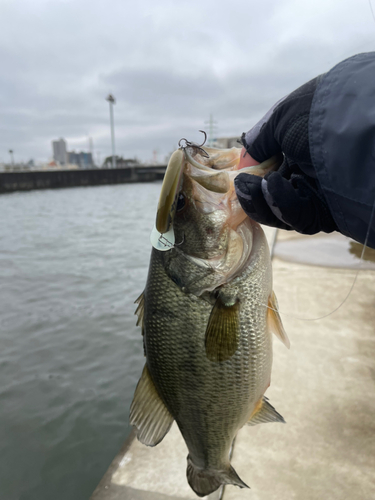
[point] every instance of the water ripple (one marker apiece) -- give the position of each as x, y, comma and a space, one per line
72, 262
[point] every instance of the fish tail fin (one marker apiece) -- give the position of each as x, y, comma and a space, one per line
205, 481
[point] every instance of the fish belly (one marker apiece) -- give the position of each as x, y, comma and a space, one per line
210, 401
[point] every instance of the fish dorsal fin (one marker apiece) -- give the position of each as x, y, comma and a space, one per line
223, 331
148, 413
264, 412
274, 321
140, 309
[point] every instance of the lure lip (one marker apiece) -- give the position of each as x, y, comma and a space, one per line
162, 236
169, 190
172, 181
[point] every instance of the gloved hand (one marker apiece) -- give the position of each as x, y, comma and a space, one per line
291, 197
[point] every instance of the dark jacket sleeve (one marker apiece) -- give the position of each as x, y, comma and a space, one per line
342, 144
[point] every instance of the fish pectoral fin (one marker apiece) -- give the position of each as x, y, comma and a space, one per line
148, 413
274, 321
140, 309
223, 331
264, 412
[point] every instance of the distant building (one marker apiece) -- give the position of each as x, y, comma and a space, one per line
120, 162
82, 159
59, 151
227, 142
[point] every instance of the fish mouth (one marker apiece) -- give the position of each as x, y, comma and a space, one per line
162, 236
215, 178
214, 190
212, 177
215, 181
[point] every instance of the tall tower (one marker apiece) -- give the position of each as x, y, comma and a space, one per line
110, 98
91, 153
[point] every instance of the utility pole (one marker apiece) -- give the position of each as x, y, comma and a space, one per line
11, 157
91, 150
110, 98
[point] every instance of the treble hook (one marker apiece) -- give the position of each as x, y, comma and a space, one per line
197, 147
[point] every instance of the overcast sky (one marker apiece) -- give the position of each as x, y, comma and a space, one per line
168, 63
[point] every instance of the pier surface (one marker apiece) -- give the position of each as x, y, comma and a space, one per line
324, 387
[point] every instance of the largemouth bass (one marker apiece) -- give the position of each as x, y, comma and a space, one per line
205, 322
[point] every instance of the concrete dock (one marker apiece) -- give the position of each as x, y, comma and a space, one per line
324, 387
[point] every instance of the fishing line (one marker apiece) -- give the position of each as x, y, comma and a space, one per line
360, 260
282, 313
372, 10
351, 288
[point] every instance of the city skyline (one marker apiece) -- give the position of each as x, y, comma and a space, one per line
62, 156
83, 159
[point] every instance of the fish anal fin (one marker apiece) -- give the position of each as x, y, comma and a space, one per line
206, 481
274, 321
148, 413
140, 309
264, 412
223, 331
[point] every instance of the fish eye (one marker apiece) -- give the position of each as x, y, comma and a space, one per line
180, 202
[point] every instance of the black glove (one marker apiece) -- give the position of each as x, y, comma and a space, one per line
290, 198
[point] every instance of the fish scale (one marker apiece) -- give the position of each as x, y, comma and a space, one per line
192, 387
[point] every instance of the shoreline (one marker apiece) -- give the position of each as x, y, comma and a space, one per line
55, 179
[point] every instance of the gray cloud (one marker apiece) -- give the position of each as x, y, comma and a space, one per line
169, 65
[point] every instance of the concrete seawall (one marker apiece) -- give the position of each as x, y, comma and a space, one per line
53, 179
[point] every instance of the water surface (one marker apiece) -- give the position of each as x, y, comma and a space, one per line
72, 262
